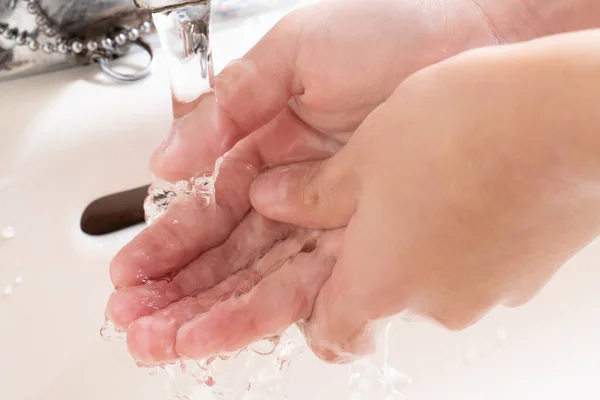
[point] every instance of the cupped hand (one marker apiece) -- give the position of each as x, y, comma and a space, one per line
468, 188
184, 286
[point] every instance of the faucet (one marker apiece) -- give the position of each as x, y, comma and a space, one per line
161, 5
39, 36
183, 27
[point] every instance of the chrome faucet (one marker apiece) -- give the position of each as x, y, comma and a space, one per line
38, 36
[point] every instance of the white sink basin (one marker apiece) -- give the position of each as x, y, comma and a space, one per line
66, 139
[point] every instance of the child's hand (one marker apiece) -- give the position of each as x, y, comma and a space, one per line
468, 188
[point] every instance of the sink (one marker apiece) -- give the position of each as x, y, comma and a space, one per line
71, 137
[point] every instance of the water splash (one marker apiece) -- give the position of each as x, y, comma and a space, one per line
374, 379
243, 375
108, 331
162, 193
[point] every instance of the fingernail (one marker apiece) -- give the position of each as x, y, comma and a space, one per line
270, 189
228, 82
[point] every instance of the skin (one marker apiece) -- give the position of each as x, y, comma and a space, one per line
496, 189
203, 278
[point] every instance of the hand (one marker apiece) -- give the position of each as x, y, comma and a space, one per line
326, 66
170, 278
184, 285
468, 188
254, 96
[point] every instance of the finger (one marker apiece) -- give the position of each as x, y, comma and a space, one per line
319, 194
174, 239
267, 310
152, 338
193, 144
255, 88
287, 139
251, 92
252, 238
195, 141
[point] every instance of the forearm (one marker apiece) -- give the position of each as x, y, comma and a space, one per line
518, 20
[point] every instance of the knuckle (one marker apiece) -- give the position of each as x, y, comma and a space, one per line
314, 194
310, 194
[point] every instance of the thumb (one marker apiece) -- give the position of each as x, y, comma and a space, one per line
320, 195
342, 325
254, 89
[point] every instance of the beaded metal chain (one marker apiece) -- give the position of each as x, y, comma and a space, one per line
100, 50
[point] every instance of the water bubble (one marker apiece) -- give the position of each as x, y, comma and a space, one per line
8, 232
8, 289
373, 378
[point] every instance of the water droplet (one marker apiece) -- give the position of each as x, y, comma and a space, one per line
8, 232
108, 331
210, 381
501, 335
8, 289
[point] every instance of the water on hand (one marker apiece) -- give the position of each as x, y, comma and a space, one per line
257, 372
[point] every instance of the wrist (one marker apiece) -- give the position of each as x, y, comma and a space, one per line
519, 20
